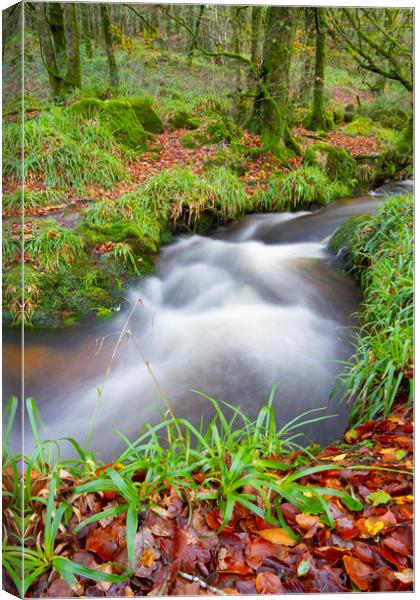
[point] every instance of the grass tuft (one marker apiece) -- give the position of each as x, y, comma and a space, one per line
381, 368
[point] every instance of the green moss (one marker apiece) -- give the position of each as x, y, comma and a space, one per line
89, 108
119, 117
390, 117
234, 161
182, 119
125, 125
336, 163
12, 107
192, 139
145, 114
221, 131
360, 126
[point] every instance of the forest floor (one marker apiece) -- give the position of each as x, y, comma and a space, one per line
368, 548
172, 153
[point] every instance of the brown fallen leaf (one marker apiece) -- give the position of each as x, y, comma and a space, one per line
358, 572
268, 583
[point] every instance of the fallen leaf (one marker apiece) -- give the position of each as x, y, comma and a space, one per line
351, 436
303, 567
277, 536
373, 526
379, 497
268, 583
406, 576
357, 571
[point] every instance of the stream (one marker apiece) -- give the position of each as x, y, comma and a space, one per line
259, 303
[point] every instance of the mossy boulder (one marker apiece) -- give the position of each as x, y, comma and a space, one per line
145, 114
118, 116
88, 108
125, 125
360, 126
336, 163
14, 106
390, 118
182, 119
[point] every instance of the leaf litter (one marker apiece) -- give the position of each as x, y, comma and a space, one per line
180, 549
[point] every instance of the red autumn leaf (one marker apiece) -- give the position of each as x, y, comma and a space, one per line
397, 544
331, 553
257, 551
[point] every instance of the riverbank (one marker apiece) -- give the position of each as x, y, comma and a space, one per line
90, 232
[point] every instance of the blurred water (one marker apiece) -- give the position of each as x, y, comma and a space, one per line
259, 303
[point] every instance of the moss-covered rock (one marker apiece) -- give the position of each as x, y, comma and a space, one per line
88, 108
336, 163
125, 125
360, 126
30, 104
182, 119
118, 116
145, 114
389, 117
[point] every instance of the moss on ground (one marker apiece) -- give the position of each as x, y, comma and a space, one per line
359, 126
336, 163
183, 119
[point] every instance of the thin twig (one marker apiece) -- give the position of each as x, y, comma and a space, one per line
202, 583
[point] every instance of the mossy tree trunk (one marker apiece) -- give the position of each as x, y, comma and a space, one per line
318, 108
86, 29
55, 19
196, 31
71, 33
256, 21
106, 30
58, 83
269, 112
238, 24
306, 79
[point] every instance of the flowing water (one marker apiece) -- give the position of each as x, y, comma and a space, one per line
259, 303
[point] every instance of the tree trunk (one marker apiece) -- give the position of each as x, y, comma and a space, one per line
58, 85
55, 20
112, 64
86, 29
318, 109
308, 62
256, 19
71, 32
269, 113
196, 30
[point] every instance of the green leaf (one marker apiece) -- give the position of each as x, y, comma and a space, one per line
303, 567
131, 530
379, 497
